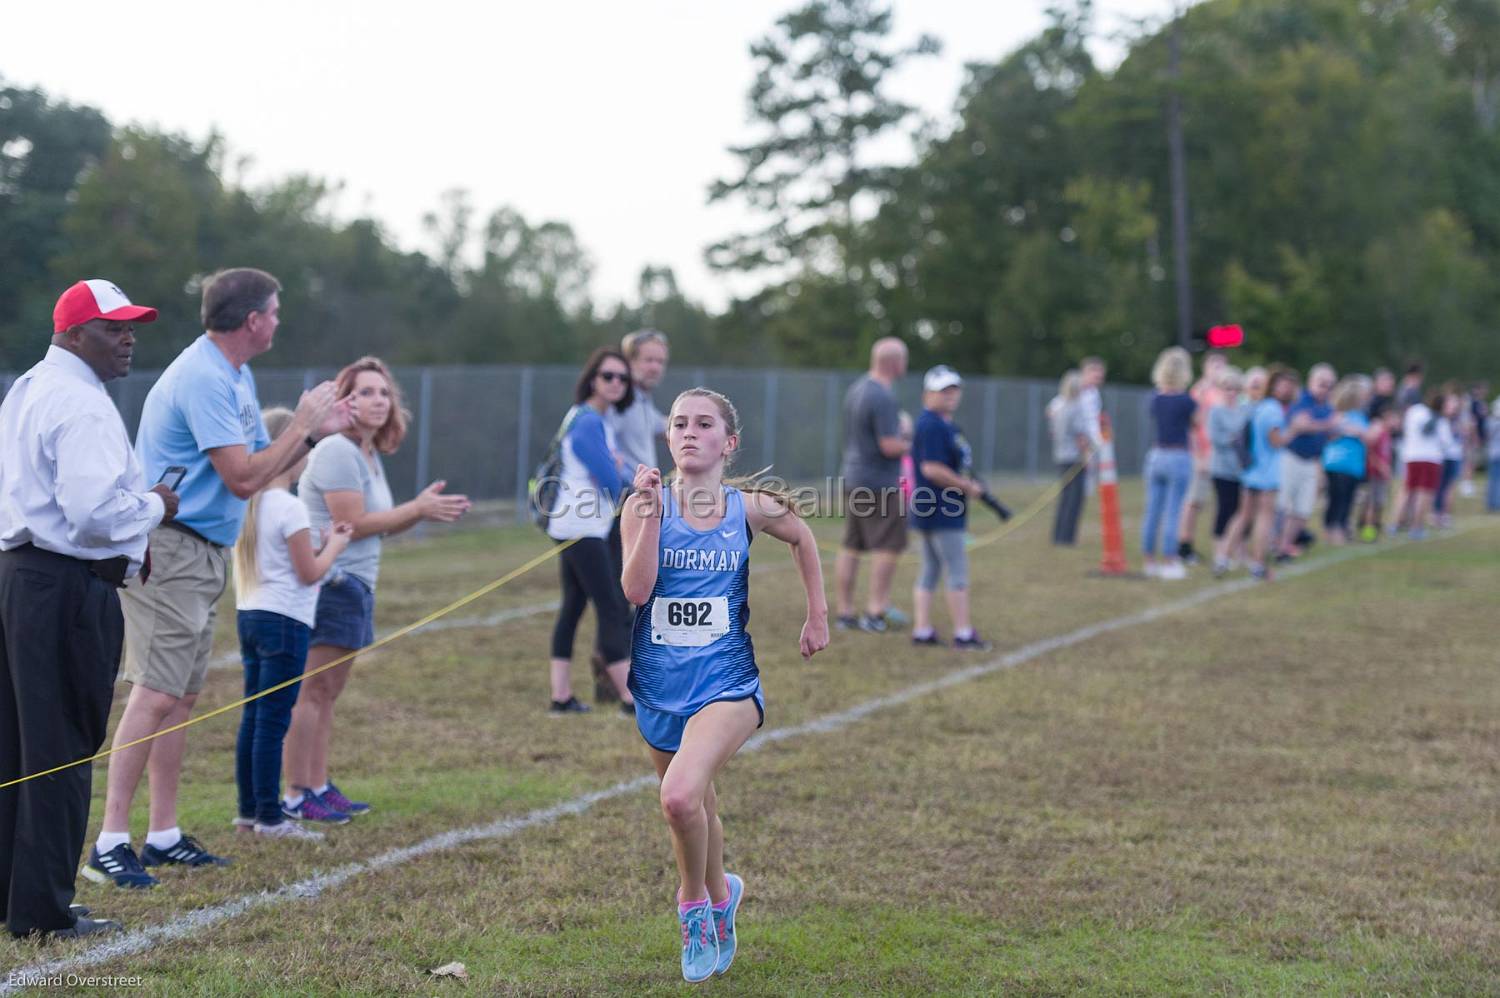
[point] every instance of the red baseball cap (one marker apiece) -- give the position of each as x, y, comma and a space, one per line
96, 299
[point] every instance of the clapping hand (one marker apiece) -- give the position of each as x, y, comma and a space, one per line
435, 505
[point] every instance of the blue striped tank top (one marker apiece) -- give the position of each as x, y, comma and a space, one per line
690, 646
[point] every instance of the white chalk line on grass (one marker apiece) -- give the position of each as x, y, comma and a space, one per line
190, 924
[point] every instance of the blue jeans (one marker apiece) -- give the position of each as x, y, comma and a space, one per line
1168, 474
1451, 470
274, 649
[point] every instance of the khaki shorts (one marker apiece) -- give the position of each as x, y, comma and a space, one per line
169, 621
1300, 479
874, 520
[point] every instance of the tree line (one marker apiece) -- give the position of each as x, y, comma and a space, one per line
1343, 178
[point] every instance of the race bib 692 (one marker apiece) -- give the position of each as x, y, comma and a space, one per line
689, 622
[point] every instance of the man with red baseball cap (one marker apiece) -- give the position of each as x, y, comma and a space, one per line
74, 516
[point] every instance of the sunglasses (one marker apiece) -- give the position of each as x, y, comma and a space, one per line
613, 376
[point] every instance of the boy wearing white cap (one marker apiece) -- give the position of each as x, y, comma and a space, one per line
944, 481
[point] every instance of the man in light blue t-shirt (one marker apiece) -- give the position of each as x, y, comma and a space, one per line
201, 420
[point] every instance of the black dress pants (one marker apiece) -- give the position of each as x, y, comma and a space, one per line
60, 638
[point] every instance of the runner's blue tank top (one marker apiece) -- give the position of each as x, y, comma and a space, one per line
690, 646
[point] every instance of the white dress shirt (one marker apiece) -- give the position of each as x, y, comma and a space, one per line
69, 479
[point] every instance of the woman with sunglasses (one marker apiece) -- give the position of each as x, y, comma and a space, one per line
591, 484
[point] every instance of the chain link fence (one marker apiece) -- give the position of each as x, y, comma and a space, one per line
484, 429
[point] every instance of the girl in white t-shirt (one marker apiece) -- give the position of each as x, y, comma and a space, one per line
276, 580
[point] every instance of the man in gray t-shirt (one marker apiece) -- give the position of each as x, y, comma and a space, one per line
638, 428
874, 514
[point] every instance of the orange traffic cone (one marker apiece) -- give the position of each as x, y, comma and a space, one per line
1113, 562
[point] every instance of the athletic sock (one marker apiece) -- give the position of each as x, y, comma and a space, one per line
164, 839
293, 800
683, 907
967, 634
320, 791
109, 840
930, 632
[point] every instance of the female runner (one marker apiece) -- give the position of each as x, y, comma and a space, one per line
693, 673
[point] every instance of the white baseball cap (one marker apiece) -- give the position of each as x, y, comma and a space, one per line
940, 377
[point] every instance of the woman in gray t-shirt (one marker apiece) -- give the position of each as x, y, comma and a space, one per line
345, 482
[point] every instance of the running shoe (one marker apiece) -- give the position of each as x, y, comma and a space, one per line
700, 942
895, 618
1172, 571
334, 797
187, 852
972, 643
313, 809
846, 623
873, 625
724, 922
287, 829
1221, 567
930, 640
572, 705
120, 867
1259, 573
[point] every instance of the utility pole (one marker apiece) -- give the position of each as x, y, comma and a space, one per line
1178, 167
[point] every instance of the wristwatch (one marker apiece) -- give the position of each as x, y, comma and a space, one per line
311, 443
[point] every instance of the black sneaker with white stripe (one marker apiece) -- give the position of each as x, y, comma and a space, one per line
186, 852
119, 866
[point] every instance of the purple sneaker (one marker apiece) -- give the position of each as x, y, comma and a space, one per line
313, 809
334, 797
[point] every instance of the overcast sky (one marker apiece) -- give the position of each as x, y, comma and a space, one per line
612, 116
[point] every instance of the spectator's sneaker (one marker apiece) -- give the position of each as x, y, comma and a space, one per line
85, 927
287, 830
1151, 570
700, 942
120, 867
1172, 571
1221, 568
930, 640
846, 623
873, 625
1259, 573
334, 797
896, 619
1416, 534
1466, 489
972, 643
187, 852
313, 809
572, 705
724, 922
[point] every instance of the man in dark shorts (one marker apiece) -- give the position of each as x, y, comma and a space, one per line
874, 513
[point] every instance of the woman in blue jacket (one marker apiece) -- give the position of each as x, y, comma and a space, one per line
590, 487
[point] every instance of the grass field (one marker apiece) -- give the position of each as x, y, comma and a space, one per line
1292, 788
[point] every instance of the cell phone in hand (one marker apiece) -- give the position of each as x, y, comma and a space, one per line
172, 477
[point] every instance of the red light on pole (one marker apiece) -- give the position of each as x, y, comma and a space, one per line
1225, 337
